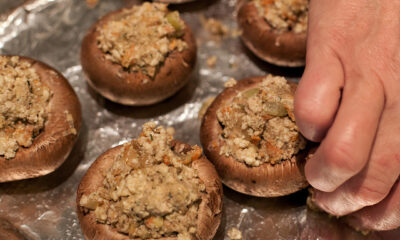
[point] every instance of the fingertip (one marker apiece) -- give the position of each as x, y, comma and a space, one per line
343, 201
330, 166
337, 207
317, 174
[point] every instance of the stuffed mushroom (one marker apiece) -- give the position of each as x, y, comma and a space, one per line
275, 30
139, 55
40, 118
150, 188
174, 1
250, 134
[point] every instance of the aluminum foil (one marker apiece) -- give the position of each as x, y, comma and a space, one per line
51, 31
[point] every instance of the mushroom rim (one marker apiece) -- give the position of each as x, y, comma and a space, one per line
288, 175
211, 201
284, 49
135, 88
52, 146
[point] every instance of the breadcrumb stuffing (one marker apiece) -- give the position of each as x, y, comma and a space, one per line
141, 37
234, 234
23, 105
151, 191
215, 27
70, 121
236, 32
284, 15
259, 125
230, 83
211, 61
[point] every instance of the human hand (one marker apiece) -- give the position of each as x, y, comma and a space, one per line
348, 98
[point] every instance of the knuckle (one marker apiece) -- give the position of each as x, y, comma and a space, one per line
307, 110
337, 38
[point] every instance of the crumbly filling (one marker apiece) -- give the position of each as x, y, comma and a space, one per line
141, 37
70, 120
23, 102
151, 191
230, 83
214, 26
259, 125
284, 15
234, 234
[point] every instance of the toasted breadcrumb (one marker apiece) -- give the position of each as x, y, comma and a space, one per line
214, 27
230, 83
234, 234
236, 32
211, 61
311, 201
70, 121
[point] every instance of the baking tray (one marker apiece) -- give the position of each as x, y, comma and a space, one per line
51, 31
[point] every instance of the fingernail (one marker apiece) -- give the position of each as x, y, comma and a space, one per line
311, 132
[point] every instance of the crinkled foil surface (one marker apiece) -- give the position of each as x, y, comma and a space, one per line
51, 31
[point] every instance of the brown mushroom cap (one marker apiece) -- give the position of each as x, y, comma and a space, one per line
282, 49
9, 232
118, 85
210, 208
53, 145
266, 180
174, 1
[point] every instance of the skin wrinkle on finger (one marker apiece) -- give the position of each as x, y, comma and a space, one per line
380, 217
335, 16
388, 62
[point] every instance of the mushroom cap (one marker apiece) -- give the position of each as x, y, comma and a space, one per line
174, 1
129, 88
53, 145
9, 232
266, 180
280, 48
210, 208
